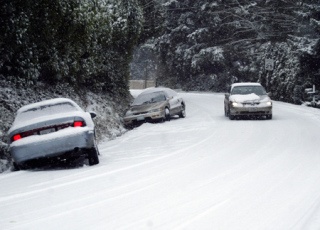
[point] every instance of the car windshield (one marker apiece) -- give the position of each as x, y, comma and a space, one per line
45, 110
242, 90
149, 98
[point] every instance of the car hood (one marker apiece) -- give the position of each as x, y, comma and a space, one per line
147, 107
248, 98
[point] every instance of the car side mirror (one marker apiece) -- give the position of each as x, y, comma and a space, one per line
92, 114
269, 94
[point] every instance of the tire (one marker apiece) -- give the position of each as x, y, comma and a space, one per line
167, 116
96, 147
231, 117
182, 113
93, 156
16, 167
269, 117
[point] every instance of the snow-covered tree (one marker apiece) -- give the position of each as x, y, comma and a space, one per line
210, 44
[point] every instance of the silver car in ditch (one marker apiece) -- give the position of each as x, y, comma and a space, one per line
56, 128
247, 99
155, 104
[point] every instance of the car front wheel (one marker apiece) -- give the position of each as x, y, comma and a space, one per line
227, 113
231, 117
167, 114
182, 113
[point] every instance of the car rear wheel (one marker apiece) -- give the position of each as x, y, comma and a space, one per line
93, 156
21, 166
16, 167
269, 117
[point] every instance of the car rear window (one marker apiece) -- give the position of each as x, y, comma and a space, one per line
45, 110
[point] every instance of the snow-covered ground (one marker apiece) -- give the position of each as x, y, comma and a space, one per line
200, 172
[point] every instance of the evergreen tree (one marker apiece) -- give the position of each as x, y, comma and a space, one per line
210, 44
86, 42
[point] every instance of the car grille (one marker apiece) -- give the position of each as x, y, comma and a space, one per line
251, 103
140, 113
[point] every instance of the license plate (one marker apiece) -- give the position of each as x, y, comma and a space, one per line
140, 118
252, 109
46, 131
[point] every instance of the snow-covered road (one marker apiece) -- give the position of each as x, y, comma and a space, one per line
201, 172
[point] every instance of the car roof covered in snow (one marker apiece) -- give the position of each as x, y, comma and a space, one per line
158, 89
55, 109
48, 102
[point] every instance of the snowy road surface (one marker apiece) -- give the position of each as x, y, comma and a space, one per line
201, 172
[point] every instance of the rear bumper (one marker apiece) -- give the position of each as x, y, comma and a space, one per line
51, 145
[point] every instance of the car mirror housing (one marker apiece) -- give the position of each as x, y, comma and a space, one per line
92, 114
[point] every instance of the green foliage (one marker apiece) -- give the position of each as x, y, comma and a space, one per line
87, 43
152, 19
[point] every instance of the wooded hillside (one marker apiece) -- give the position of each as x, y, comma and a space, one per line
207, 45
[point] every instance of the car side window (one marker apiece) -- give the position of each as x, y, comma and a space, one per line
158, 98
236, 90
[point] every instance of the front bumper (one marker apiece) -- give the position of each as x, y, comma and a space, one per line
251, 111
143, 117
52, 144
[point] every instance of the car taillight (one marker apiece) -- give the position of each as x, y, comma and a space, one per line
16, 137
78, 124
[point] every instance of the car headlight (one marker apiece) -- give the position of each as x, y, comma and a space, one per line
269, 103
129, 113
154, 110
236, 104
